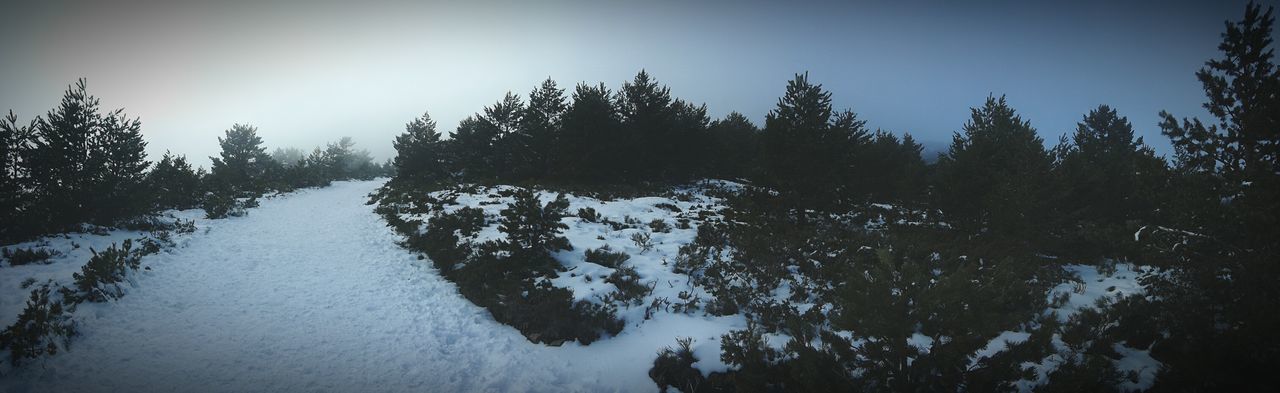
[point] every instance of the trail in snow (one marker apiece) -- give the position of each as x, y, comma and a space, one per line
310, 293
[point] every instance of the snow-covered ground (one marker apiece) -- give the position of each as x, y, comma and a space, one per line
310, 292
71, 251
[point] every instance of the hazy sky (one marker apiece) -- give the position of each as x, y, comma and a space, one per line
306, 73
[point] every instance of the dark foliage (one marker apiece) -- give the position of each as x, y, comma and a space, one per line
99, 280
604, 256
25, 256
674, 368
44, 327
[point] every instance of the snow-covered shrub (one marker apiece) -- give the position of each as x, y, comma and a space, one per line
605, 256
670, 207
99, 280
532, 227
630, 289
44, 327
674, 368
184, 226
659, 225
25, 256
643, 240
589, 214
218, 205
506, 281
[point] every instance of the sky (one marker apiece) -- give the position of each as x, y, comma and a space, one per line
306, 73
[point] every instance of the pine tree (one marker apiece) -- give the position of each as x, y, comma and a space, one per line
419, 153
589, 137
687, 139
809, 147
734, 147
532, 228
64, 164
1108, 176
174, 183
120, 188
1214, 303
891, 169
509, 145
15, 196
86, 166
242, 166
473, 148
647, 116
993, 178
540, 128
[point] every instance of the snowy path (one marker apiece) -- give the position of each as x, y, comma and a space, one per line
310, 293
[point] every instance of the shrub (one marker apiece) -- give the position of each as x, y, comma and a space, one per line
188, 226
674, 368
219, 205
25, 256
604, 256
99, 280
660, 226
643, 240
668, 207
532, 227
589, 214
630, 290
44, 327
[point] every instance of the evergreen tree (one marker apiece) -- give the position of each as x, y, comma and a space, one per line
648, 120
808, 146
733, 148
86, 166
532, 228
892, 169
1215, 304
1107, 178
474, 149
15, 198
120, 191
590, 136
419, 153
686, 141
289, 156
242, 167
993, 178
63, 161
509, 145
540, 128
175, 184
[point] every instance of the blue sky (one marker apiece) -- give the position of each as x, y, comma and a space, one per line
306, 73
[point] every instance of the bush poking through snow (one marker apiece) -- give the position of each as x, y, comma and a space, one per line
604, 256
643, 240
589, 214
504, 276
659, 225
44, 327
218, 205
674, 368
26, 256
532, 227
99, 280
630, 289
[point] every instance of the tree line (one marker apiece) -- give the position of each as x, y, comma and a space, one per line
1208, 217
79, 164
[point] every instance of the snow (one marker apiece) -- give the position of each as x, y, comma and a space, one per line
72, 252
1092, 285
310, 292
